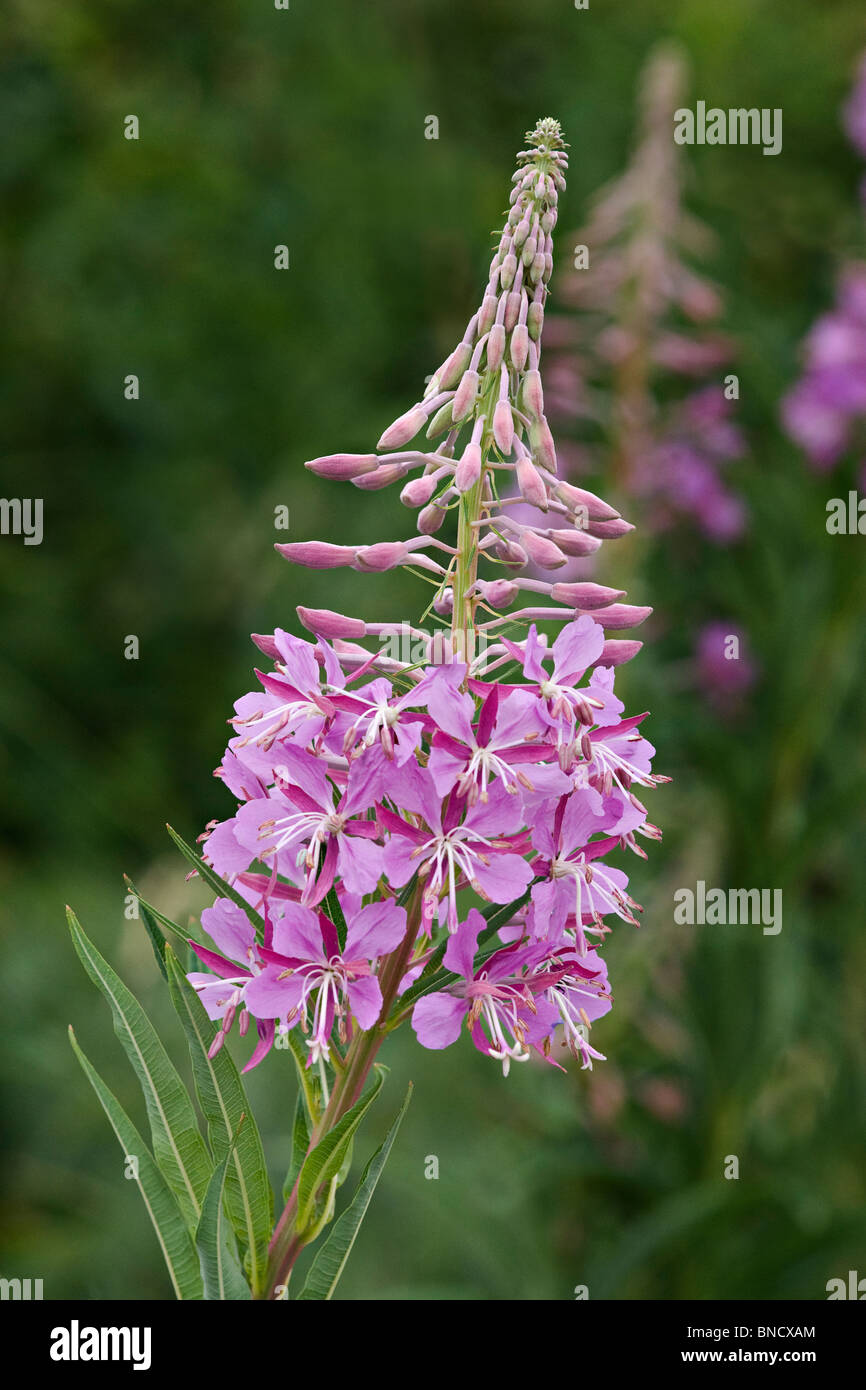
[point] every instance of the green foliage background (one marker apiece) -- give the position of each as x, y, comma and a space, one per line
306, 127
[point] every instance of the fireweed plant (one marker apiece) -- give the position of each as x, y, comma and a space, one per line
421, 841
641, 362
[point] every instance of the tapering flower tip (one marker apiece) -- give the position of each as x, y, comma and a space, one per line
531, 483
609, 530
503, 427
519, 347
325, 623
535, 319
575, 543
381, 477
386, 555
442, 420
418, 491
585, 595
617, 651
620, 616
265, 643
342, 466
487, 313
496, 346
541, 442
542, 551
498, 593
317, 555
430, 518
465, 396
532, 395
469, 468
403, 429
580, 497
452, 369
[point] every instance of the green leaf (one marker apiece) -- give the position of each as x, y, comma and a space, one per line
331, 907
219, 885
181, 937
171, 1231
221, 1269
331, 1259
324, 1163
221, 1095
178, 1146
300, 1144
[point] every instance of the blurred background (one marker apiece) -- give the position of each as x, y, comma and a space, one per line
306, 127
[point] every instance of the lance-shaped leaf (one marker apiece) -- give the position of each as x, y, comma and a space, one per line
331, 1260
178, 1146
249, 1200
174, 1239
219, 885
324, 1163
151, 916
221, 1269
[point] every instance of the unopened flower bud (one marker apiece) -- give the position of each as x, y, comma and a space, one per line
535, 319
616, 653
609, 530
383, 476
443, 603
585, 596
542, 551
619, 616
431, 518
520, 346
511, 553
498, 593
508, 270
453, 367
513, 305
521, 232
418, 491
580, 497
325, 623
317, 555
469, 468
575, 542
403, 429
541, 441
531, 484
503, 427
496, 346
487, 314
530, 247
464, 397
442, 420
385, 555
532, 395
342, 466
536, 270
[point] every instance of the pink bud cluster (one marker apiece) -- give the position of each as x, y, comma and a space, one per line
484, 408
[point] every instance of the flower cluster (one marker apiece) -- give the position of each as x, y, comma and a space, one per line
353, 787
645, 325
824, 412
380, 800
